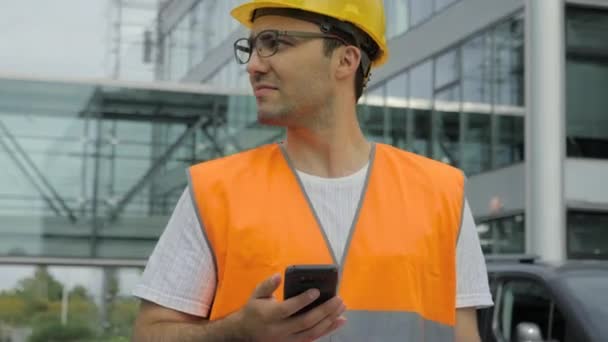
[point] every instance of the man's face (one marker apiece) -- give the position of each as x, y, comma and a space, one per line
294, 86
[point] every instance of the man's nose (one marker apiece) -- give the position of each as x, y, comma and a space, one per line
256, 64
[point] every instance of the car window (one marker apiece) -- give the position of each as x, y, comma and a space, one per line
527, 301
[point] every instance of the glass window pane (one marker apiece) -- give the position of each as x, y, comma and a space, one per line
372, 118
509, 62
398, 127
477, 144
180, 49
397, 90
397, 17
420, 10
587, 75
197, 34
397, 103
587, 122
586, 30
503, 236
422, 132
510, 147
421, 94
60, 136
476, 68
441, 4
421, 86
587, 235
446, 144
446, 69
525, 301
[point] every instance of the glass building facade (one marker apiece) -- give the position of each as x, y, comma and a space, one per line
463, 106
90, 174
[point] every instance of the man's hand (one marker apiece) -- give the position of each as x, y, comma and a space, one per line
265, 319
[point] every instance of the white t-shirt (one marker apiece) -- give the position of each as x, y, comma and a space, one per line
180, 273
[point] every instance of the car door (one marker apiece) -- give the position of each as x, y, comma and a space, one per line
526, 303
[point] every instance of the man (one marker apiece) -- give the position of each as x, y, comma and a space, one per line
397, 224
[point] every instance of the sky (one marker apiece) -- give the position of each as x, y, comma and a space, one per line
65, 39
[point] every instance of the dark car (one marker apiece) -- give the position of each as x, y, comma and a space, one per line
544, 302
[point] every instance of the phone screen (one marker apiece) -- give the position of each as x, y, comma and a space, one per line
299, 278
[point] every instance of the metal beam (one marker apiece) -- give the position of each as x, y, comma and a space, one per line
155, 167
68, 212
24, 170
76, 262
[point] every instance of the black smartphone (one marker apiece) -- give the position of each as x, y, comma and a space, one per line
299, 278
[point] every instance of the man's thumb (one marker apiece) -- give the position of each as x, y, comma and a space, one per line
266, 288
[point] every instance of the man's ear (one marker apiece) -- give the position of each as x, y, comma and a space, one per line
348, 62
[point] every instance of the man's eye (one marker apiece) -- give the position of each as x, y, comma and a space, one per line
270, 43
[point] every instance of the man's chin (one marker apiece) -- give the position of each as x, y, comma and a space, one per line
271, 118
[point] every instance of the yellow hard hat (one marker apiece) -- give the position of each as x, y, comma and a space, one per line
367, 15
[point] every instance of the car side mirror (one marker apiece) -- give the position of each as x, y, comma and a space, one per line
528, 332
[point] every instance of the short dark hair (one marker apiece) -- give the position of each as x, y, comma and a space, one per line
332, 44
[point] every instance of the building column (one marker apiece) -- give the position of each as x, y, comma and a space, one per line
545, 129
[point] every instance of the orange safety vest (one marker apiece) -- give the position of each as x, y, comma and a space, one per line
397, 275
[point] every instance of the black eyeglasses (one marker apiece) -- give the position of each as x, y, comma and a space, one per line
266, 43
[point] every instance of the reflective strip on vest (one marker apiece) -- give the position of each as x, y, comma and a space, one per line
367, 326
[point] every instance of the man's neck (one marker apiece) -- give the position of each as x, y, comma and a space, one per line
336, 151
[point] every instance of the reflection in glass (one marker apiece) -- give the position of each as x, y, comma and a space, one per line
446, 69
397, 17
86, 152
422, 132
446, 142
420, 11
587, 234
397, 102
441, 4
503, 235
510, 147
476, 78
509, 63
372, 115
421, 85
587, 74
179, 49
421, 95
477, 144
586, 29
586, 119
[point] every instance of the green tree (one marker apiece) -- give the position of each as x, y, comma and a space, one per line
53, 331
38, 291
79, 292
41, 286
12, 309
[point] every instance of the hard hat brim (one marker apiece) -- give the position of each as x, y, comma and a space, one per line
244, 13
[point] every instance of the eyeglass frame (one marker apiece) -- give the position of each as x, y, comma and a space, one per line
279, 33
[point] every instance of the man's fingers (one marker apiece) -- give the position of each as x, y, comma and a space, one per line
330, 321
266, 288
332, 308
294, 304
